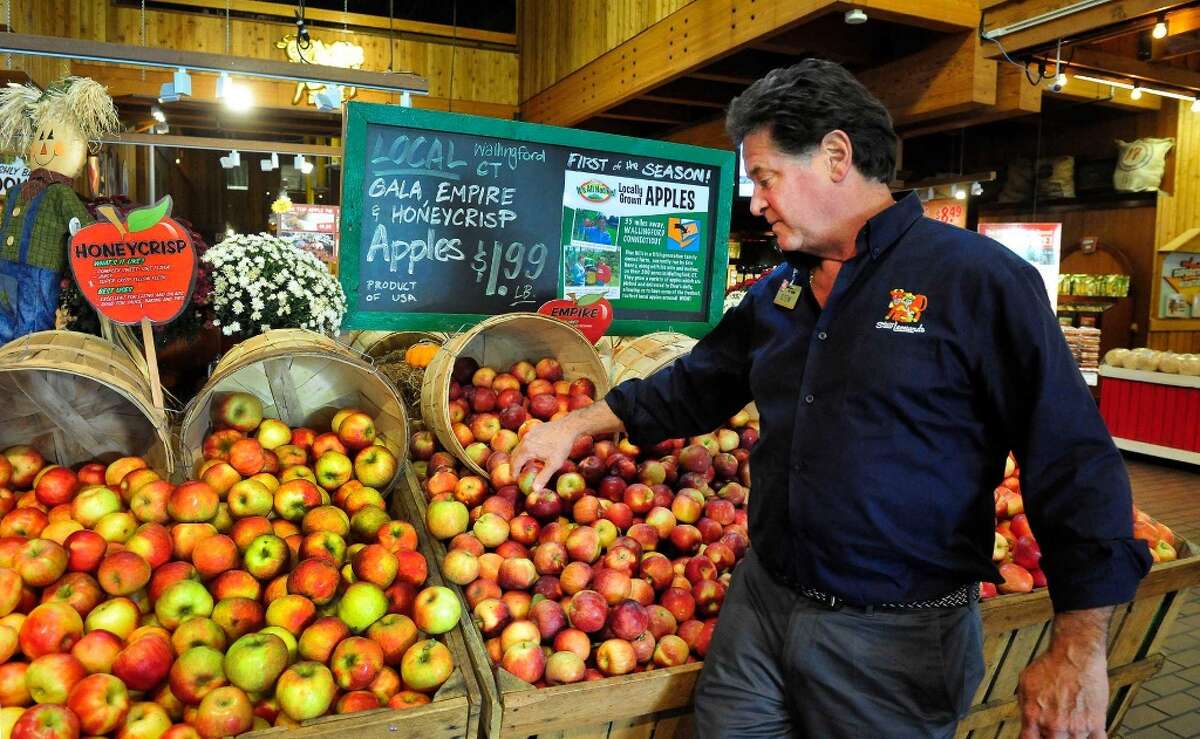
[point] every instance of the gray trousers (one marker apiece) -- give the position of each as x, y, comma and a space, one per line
781, 665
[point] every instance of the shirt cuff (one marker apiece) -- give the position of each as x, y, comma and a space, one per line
1097, 574
622, 401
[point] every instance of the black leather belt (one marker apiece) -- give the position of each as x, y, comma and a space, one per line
957, 598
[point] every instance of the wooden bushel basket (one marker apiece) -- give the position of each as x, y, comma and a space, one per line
377, 344
645, 355
76, 397
499, 342
635, 358
302, 378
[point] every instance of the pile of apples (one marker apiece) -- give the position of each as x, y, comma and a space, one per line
620, 565
1157, 535
271, 589
1017, 553
489, 409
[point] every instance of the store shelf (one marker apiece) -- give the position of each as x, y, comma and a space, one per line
1158, 378
1107, 201
1155, 450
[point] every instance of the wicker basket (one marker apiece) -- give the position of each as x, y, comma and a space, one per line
378, 344
303, 378
76, 398
499, 342
643, 356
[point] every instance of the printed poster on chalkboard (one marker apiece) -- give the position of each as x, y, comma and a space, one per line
449, 219
634, 241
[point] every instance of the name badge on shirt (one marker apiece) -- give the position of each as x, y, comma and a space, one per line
788, 295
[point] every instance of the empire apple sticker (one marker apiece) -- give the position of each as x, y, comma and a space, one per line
591, 314
139, 269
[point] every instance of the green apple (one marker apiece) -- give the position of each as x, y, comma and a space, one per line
255, 661
436, 610
305, 691
182, 600
288, 639
266, 556
361, 605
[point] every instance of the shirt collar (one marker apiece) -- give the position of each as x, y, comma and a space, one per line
877, 235
886, 227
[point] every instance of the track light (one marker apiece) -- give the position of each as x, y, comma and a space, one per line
223, 85
1136, 93
157, 114
406, 99
329, 99
1160, 28
959, 193
976, 189
855, 17
232, 160
238, 98
268, 165
1196, 104
1061, 80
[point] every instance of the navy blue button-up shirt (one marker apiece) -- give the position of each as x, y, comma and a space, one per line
886, 418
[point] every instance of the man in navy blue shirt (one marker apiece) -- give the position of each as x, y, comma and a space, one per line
895, 360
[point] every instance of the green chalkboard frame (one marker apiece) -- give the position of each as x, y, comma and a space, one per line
360, 115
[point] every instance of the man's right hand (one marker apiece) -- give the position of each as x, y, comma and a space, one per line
550, 443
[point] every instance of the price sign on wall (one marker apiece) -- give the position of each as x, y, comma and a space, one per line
449, 219
947, 210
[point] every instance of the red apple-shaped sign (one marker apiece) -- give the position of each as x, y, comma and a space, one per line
143, 268
591, 314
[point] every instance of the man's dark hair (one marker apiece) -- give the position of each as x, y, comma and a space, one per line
798, 105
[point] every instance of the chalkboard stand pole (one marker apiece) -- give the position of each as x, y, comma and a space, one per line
156, 392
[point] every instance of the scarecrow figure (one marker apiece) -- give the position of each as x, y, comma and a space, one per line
54, 128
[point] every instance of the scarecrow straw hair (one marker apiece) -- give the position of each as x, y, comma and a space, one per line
75, 101
17, 103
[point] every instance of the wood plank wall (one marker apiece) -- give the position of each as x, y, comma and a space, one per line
559, 36
456, 72
1178, 208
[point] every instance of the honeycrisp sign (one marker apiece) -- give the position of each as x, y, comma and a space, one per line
136, 270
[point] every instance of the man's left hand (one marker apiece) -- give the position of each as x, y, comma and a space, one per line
1064, 693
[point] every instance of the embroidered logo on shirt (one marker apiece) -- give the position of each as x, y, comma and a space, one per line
904, 313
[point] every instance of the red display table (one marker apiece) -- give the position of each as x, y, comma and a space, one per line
1152, 413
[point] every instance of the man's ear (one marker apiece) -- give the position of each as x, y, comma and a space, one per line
839, 154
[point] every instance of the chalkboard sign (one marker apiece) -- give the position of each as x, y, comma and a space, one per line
448, 219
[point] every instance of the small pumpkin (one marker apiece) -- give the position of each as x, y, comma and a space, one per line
420, 354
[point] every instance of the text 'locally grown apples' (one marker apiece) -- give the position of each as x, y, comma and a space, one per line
1016, 551
272, 589
620, 565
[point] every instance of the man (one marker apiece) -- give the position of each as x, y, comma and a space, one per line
579, 272
894, 360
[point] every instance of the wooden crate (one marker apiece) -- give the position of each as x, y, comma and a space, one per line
1016, 629
659, 703
656, 703
454, 712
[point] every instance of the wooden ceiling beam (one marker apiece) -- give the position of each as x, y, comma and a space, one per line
694, 102
1121, 66
337, 18
730, 79
1077, 25
1014, 97
639, 118
710, 133
705, 30
948, 78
